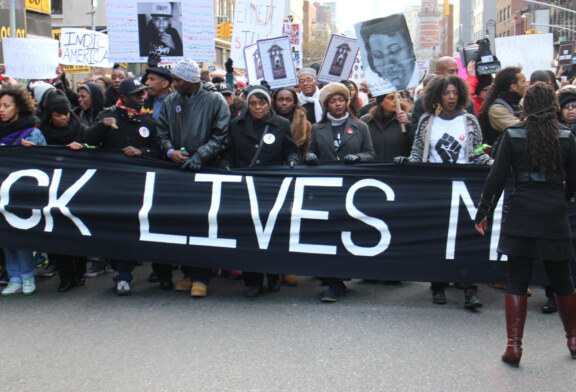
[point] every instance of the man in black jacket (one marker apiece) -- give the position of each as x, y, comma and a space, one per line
125, 126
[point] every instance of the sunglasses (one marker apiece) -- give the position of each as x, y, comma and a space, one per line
570, 105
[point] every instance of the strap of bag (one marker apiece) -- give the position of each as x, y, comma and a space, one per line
259, 150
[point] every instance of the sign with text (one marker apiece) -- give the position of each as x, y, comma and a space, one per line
532, 52
84, 47
339, 59
30, 58
42, 6
255, 20
277, 62
173, 30
294, 32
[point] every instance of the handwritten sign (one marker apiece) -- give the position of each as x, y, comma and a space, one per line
183, 30
277, 63
84, 47
30, 58
532, 52
255, 20
339, 59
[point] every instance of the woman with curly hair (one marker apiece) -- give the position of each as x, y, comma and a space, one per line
448, 134
542, 157
17, 126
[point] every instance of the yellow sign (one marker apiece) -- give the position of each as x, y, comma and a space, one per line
39, 6
76, 69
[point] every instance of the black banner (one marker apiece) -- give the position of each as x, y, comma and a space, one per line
377, 221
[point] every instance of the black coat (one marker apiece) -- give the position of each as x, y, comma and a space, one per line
538, 209
138, 132
278, 147
355, 140
387, 137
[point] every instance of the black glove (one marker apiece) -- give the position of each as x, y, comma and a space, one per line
194, 163
311, 158
351, 158
229, 64
400, 160
292, 163
154, 59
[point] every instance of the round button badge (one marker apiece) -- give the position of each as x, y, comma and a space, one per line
144, 132
269, 138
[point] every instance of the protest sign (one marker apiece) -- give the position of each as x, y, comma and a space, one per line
339, 59
357, 73
255, 20
5, 25
386, 46
277, 63
173, 30
84, 47
30, 58
294, 32
531, 51
423, 66
254, 71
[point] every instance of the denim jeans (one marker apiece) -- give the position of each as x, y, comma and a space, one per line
123, 269
19, 264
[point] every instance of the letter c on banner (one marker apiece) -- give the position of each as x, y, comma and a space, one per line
13, 219
378, 224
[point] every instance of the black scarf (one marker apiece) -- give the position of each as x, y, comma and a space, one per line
61, 136
512, 98
23, 122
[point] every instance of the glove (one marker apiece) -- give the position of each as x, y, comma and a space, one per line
229, 64
292, 163
154, 59
209, 86
194, 163
400, 160
311, 158
351, 158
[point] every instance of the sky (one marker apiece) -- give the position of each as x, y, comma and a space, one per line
354, 11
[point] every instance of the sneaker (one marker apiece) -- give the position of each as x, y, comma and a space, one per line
439, 298
123, 288
334, 293
94, 270
40, 259
28, 286
11, 289
49, 271
109, 268
4, 277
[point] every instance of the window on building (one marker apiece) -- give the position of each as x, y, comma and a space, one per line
56, 7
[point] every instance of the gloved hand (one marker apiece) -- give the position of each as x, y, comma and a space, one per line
292, 163
311, 158
154, 59
194, 163
226, 166
400, 160
229, 64
351, 158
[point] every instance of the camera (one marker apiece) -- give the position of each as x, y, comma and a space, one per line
486, 62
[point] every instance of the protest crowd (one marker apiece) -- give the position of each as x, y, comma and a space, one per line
185, 116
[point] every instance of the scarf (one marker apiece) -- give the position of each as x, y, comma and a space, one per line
316, 100
512, 98
131, 112
337, 121
11, 132
61, 136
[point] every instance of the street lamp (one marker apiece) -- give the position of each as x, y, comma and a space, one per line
524, 15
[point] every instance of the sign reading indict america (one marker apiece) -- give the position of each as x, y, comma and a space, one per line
84, 47
376, 221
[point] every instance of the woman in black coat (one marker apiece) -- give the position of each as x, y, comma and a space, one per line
543, 161
91, 102
338, 137
259, 137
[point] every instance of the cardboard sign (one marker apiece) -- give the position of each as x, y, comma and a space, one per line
277, 63
30, 58
566, 53
254, 71
532, 52
255, 20
84, 47
339, 59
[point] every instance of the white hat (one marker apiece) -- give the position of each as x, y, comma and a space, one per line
162, 9
187, 70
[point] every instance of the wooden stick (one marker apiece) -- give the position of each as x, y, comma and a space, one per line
398, 107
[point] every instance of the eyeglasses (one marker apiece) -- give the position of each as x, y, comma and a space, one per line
307, 80
570, 105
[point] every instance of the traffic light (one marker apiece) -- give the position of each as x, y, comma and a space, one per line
219, 30
227, 30
532, 31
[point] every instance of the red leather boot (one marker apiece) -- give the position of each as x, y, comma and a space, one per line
515, 307
567, 311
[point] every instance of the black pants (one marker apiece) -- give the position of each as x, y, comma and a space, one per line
164, 271
257, 278
520, 272
70, 268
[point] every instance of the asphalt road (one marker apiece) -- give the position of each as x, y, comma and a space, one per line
378, 338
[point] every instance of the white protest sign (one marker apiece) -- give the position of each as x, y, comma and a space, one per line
357, 73
338, 60
388, 54
531, 51
255, 20
277, 63
423, 66
30, 58
254, 70
294, 32
173, 30
84, 47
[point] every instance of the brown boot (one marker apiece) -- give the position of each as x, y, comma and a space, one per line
567, 311
515, 306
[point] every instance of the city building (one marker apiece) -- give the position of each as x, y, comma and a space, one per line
429, 34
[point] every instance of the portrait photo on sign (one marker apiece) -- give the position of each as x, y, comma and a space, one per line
386, 46
160, 28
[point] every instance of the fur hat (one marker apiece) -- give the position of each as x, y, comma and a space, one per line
187, 70
331, 89
56, 101
566, 95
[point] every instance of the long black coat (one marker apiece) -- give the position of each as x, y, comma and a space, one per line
387, 137
537, 209
278, 147
355, 140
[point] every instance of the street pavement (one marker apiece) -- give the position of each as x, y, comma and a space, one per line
380, 337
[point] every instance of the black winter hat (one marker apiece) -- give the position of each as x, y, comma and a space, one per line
162, 72
566, 95
56, 101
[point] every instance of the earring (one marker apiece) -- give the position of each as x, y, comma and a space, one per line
437, 109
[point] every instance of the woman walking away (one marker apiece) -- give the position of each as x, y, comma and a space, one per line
543, 160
